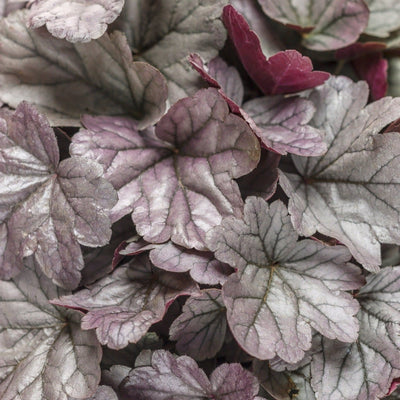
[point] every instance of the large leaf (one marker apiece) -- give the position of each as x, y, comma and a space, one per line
200, 329
44, 353
384, 17
359, 164
165, 32
364, 370
122, 306
47, 208
74, 20
334, 23
170, 378
283, 287
97, 77
178, 183
285, 72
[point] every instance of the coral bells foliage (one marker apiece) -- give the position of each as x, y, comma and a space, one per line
199, 200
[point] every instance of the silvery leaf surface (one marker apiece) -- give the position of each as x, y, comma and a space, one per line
334, 23
44, 353
164, 32
200, 329
122, 306
74, 20
283, 288
98, 77
364, 370
359, 164
178, 183
384, 17
47, 208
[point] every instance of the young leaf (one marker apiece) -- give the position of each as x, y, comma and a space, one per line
97, 77
359, 164
74, 20
365, 369
44, 353
178, 183
170, 378
283, 287
384, 17
200, 329
165, 32
122, 306
47, 207
285, 72
333, 23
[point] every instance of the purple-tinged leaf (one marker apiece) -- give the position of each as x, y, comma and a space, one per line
330, 24
359, 49
164, 32
97, 77
74, 20
171, 378
282, 125
283, 287
104, 393
44, 353
285, 72
180, 184
359, 164
46, 208
123, 306
200, 329
384, 17
364, 370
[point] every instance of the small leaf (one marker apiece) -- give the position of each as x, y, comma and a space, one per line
122, 306
74, 20
283, 287
200, 329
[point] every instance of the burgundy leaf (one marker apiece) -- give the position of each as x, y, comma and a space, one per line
44, 353
329, 24
47, 208
283, 287
285, 72
123, 306
359, 49
200, 329
179, 184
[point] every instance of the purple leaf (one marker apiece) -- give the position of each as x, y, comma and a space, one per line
364, 370
384, 17
359, 164
164, 32
47, 208
282, 125
123, 306
99, 77
170, 378
330, 24
200, 329
283, 287
285, 72
180, 184
45, 354
74, 20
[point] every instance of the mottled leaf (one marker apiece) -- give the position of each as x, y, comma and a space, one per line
74, 20
122, 306
364, 370
104, 393
285, 72
384, 17
283, 287
200, 329
359, 164
47, 208
330, 24
170, 378
44, 353
97, 77
282, 125
178, 183
165, 32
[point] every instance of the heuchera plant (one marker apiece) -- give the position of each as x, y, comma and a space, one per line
199, 200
